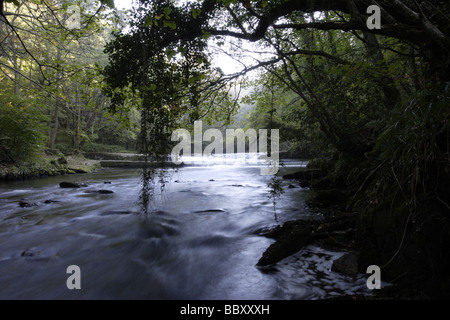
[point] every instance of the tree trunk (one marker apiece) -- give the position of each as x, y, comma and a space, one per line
55, 125
78, 123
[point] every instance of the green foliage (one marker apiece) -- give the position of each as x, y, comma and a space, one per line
413, 152
22, 127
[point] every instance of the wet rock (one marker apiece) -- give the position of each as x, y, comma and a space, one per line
51, 201
25, 204
66, 184
114, 212
210, 210
347, 264
99, 191
107, 182
78, 170
28, 253
291, 186
291, 237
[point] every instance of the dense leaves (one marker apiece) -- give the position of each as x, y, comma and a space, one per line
371, 105
21, 128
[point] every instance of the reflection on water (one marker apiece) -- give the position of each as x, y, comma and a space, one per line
200, 240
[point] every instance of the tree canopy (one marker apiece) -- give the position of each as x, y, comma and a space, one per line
370, 104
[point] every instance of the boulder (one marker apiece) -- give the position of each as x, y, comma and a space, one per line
290, 238
66, 184
347, 264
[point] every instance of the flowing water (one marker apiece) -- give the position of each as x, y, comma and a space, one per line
201, 240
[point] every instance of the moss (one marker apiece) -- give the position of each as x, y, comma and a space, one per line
44, 166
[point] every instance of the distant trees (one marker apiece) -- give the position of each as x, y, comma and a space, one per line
56, 65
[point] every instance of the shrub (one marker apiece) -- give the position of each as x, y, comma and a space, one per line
22, 127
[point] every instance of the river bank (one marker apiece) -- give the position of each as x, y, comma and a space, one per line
367, 241
46, 166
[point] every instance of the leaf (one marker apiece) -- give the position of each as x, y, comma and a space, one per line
16, 2
109, 3
195, 13
167, 12
170, 53
206, 35
182, 50
152, 87
148, 22
170, 24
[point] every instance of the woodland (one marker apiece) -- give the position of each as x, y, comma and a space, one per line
368, 107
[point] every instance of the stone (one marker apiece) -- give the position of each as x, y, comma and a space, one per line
66, 184
51, 201
347, 264
25, 204
99, 191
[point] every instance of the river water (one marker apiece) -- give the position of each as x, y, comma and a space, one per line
201, 240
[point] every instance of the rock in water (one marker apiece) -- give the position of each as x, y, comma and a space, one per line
347, 264
51, 201
102, 191
66, 184
25, 204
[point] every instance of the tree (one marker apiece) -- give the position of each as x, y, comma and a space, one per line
377, 99
43, 56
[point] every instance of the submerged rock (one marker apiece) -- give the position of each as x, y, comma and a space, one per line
25, 204
99, 191
118, 212
51, 201
28, 253
66, 184
210, 210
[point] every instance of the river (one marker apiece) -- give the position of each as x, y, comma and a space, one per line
201, 239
